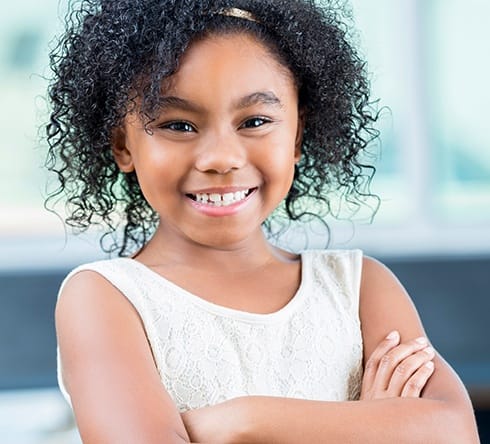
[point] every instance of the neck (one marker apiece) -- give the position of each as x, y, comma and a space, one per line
167, 249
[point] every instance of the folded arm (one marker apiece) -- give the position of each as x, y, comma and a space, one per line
441, 414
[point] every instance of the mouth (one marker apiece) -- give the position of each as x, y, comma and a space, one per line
221, 200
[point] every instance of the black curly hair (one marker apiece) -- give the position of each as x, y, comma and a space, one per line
113, 58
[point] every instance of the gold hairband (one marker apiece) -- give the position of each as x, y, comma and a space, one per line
238, 13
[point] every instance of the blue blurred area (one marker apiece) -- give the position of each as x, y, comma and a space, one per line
451, 295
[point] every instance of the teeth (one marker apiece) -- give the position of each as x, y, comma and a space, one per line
215, 198
228, 197
221, 200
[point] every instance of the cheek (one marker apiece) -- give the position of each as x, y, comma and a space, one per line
284, 149
279, 161
158, 170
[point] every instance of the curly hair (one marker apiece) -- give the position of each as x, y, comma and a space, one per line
113, 58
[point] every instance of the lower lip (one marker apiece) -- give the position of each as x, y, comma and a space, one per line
229, 210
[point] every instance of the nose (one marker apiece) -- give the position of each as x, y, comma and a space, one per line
221, 154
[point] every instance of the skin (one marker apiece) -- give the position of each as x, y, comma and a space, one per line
242, 131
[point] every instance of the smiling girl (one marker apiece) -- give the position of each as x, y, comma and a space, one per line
187, 123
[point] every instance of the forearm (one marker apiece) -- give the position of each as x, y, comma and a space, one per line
400, 420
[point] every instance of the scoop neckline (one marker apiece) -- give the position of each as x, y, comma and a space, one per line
229, 312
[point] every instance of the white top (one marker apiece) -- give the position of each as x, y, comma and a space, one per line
206, 353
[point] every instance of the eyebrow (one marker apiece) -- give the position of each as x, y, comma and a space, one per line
179, 103
261, 97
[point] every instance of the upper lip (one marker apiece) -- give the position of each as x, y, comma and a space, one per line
220, 190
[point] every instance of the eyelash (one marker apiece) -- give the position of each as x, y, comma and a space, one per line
263, 120
186, 127
180, 123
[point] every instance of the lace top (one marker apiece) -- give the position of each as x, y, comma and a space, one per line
206, 353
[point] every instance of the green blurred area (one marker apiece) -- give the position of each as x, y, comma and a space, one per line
25, 31
429, 63
430, 66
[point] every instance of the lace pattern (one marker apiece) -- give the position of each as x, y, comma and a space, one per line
206, 354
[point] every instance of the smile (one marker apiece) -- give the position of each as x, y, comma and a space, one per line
221, 200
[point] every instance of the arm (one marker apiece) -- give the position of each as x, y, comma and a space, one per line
442, 415
108, 368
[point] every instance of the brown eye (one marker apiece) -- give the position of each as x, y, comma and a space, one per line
179, 126
255, 122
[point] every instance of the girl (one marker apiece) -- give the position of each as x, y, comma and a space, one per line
191, 122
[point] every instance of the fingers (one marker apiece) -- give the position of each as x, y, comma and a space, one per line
397, 369
416, 383
371, 367
396, 357
406, 369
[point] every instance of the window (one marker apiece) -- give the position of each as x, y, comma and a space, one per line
24, 35
456, 65
429, 65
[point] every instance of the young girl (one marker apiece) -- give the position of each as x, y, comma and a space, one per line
189, 122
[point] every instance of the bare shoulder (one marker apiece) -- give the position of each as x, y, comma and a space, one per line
385, 306
108, 367
97, 329
88, 296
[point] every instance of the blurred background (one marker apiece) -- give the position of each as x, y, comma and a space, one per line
429, 61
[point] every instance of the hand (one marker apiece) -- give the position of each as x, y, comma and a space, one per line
218, 424
397, 370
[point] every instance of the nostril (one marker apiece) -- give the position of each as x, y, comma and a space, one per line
220, 157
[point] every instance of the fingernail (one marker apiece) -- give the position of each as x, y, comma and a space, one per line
422, 340
429, 365
392, 335
429, 350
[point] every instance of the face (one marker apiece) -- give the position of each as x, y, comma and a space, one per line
220, 156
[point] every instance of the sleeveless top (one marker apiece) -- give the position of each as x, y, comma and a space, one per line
206, 353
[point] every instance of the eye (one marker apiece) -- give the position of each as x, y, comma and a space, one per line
179, 126
255, 122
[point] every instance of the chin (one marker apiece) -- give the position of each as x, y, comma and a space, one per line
225, 240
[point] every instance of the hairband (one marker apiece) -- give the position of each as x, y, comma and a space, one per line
238, 13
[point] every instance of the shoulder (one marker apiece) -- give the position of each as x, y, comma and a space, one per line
379, 286
385, 305
102, 346
333, 253
88, 299
337, 270
336, 260
100, 282
92, 271
91, 291
375, 272
91, 309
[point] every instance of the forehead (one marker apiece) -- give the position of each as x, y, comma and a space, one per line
236, 62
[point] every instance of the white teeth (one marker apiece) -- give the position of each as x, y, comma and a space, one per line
221, 200
228, 197
215, 197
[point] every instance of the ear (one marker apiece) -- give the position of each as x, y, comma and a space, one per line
299, 136
120, 151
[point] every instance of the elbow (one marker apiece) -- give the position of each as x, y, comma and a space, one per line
171, 437
177, 438
456, 424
